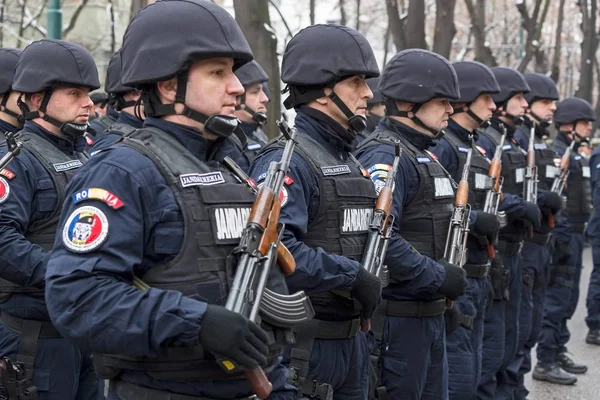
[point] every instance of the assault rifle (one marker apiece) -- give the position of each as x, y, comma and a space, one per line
380, 231
14, 148
495, 179
530, 180
562, 174
15, 381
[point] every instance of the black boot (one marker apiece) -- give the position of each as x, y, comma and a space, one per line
568, 364
551, 372
593, 337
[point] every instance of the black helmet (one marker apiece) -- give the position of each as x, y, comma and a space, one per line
541, 88
8, 63
47, 64
573, 109
319, 56
113, 85
511, 82
249, 74
374, 86
417, 76
99, 97
474, 79
165, 38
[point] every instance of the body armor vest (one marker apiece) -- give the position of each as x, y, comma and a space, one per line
514, 162
105, 121
478, 181
215, 209
544, 159
578, 189
341, 222
61, 168
120, 129
426, 219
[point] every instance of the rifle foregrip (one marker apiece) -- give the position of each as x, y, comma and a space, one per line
365, 324
385, 199
491, 252
259, 382
551, 221
462, 194
285, 260
261, 209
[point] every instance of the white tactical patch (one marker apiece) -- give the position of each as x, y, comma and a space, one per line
540, 146
230, 222
357, 219
443, 187
551, 171
507, 147
481, 181
66, 166
585, 171
519, 175
208, 179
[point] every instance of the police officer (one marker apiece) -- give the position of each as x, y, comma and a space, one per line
252, 105
123, 100
53, 78
416, 86
464, 321
9, 110
158, 207
327, 204
375, 109
562, 293
103, 114
501, 318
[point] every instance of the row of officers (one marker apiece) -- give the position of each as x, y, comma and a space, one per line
144, 197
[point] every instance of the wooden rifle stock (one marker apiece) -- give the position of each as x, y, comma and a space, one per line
258, 382
462, 194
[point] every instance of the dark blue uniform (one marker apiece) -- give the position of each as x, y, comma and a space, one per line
143, 227
464, 345
99, 125
413, 350
29, 198
6, 127
108, 137
593, 231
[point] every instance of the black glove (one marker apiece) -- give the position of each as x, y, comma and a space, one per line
562, 253
533, 214
487, 225
455, 281
233, 336
551, 203
367, 291
452, 318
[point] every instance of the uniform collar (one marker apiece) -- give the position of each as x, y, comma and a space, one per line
129, 119
510, 129
249, 127
6, 127
460, 132
418, 139
111, 112
66, 144
324, 129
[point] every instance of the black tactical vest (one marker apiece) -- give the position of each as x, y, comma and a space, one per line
347, 199
105, 121
61, 169
215, 209
579, 190
426, 219
544, 159
514, 162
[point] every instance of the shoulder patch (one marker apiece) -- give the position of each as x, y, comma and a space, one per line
283, 195
463, 149
208, 179
432, 155
540, 146
85, 230
4, 190
98, 194
335, 170
67, 165
507, 147
254, 146
423, 160
8, 174
482, 150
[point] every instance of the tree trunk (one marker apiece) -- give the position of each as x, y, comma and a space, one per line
555, 75
358, 15
395, 25
477, 13
342, 5
533, 26
253, 16
415, 25
589, 45
444, 27
136, 5
312, 12
21, 23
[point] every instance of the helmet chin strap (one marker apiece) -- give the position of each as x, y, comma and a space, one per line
412, 115
471, 114
217, 124
68, 128
544, 123
258, 117
5, 109
357, 123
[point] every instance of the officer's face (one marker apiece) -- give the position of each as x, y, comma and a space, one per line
435, 113
584, 128
517, 105
355, 93
213, 87
256, 100
544, 108
69, 104
483, 106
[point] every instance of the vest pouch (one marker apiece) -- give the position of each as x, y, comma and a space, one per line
103, 371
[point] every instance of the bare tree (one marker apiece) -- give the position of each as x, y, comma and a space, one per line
589, 45
136, 6
395, 24
74, 18
113, 38
342, 5
312, 12
255, 21
533, 26
444, 27
415, 25
357, 26
2, 22
21, 22
483, 53
555, 75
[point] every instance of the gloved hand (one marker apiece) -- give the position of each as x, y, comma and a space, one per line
487, 225
533, 214
563, 252
233, 336
452, 318
367, 291
455, 281
550, 203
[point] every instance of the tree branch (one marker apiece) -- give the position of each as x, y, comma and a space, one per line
74, 18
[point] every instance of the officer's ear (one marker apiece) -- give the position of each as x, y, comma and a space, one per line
167, 90
35, 100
